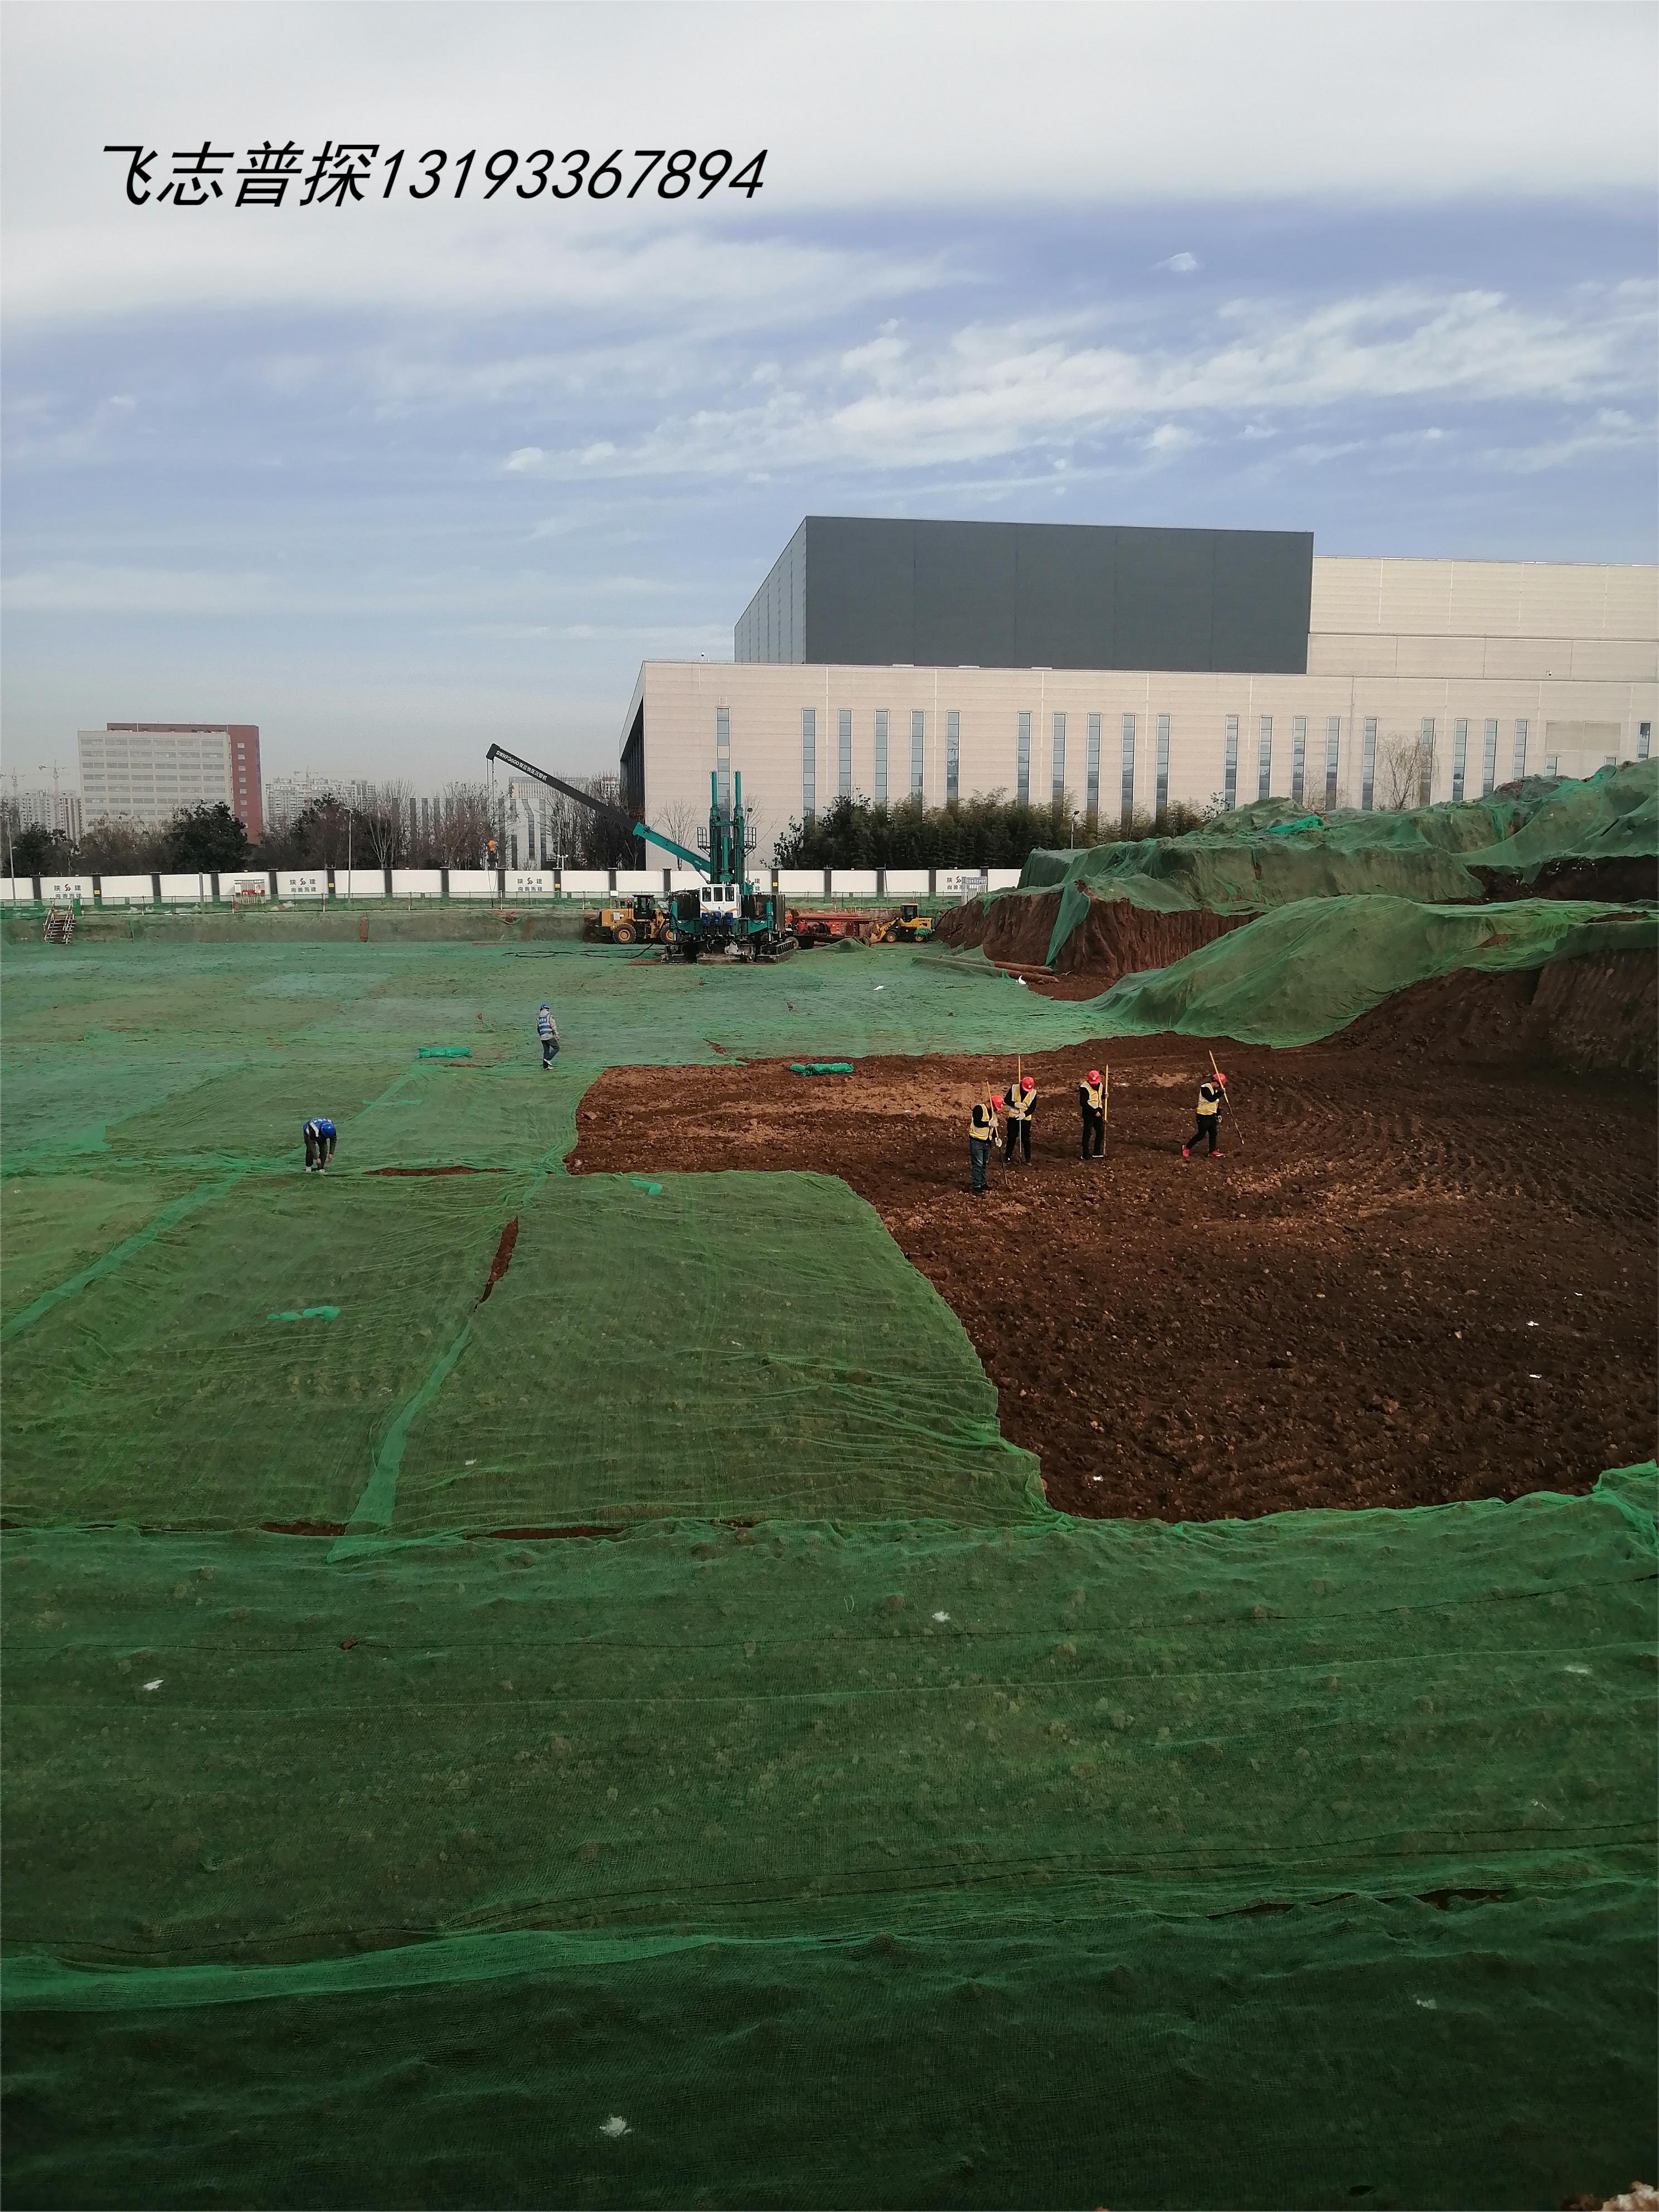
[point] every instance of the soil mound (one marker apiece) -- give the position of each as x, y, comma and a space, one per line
1114, 939
1597, 1014
1617, 878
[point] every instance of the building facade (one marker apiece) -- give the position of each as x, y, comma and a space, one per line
1417, 681
149, 771
57, 812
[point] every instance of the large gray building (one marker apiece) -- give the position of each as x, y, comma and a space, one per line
852, 591
1111, 672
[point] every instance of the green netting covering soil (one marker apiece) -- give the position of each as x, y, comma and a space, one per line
1304, 971
845, 1826
1266, 855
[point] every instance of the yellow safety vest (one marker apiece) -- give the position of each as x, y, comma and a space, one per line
1020, 1103
1209, 1099
981, 1124
1094, 1093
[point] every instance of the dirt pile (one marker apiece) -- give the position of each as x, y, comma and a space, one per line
1599, 1014
1413, 1281
1114, 939
1618, 878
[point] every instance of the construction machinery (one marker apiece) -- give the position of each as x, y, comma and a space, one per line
724, 916
641, 920
909, 926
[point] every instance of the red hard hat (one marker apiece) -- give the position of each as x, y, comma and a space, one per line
1026, 1084
997, 1103
1219, 1076
1094, 1075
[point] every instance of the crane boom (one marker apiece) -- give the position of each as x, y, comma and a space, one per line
619, 815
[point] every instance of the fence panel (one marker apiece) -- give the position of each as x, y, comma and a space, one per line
907, 883
126, 891
359, 882
301, 883
417, 883
585, 883
472, 883
853, 883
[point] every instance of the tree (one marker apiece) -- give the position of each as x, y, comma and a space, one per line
1406, 773
204, 837
39, 852
384, 823
115, 848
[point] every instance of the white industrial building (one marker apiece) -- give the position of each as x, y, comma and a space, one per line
1479, 671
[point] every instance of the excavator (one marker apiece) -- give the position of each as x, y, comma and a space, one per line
725, 915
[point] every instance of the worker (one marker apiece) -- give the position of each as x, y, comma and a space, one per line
1022, 1105
1091, 1102
982, 1138
1212, 1097
548, 1030
319, 1135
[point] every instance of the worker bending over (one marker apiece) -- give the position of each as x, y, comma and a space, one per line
1092, 1102
548, 1030
981, 1137
320, 1143
1212, 1097
1022, 1105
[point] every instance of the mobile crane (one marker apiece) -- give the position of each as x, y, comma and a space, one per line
725, 913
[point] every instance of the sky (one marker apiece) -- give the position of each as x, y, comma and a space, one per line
395, 478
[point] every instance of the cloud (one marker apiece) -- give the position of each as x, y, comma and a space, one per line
990, 390
1610, 430
1181, 264
525, 461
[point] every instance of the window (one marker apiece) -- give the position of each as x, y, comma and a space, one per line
1163, 763
1057, 790
1229, 786
1333, 756
918, 749
1550, 766
1298, 756
1368, 766
1264, 757
1460, 756
1128, 768
809, 762
1643, 741
723, 757
1519, 764
1023, 762
1489, 760
952, 757
1092, 802
881, 756
1425, 761
844, 752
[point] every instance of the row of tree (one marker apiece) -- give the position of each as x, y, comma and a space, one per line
989, 830
381, 826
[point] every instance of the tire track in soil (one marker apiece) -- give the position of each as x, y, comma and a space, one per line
1336, 1314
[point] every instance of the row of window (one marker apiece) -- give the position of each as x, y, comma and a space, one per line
1413, 777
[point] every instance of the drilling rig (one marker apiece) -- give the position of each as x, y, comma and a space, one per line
725, 915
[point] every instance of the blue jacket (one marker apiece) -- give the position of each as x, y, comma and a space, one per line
322, 1126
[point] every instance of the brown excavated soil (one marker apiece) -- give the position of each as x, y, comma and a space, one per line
1412, 1282
1597, 1014
1114, 939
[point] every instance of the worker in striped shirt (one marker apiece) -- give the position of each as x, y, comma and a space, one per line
548, 1030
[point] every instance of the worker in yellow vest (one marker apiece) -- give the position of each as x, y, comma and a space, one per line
1212, 1097
1092, 1102
981, 1137
1022, 1106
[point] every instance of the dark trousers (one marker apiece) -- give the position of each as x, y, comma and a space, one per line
979, 1158
1094, 1125
549, 1051
1208, 1126
1017, 1133
319, 1149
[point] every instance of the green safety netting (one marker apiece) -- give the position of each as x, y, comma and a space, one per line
845, 1826
1306, 971
1271, 854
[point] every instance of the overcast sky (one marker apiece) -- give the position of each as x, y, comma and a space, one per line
395, 478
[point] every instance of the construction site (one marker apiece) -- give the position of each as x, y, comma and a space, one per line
632, 1643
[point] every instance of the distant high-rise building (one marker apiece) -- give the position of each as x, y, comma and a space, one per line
287, 797
149, 771
57, 812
